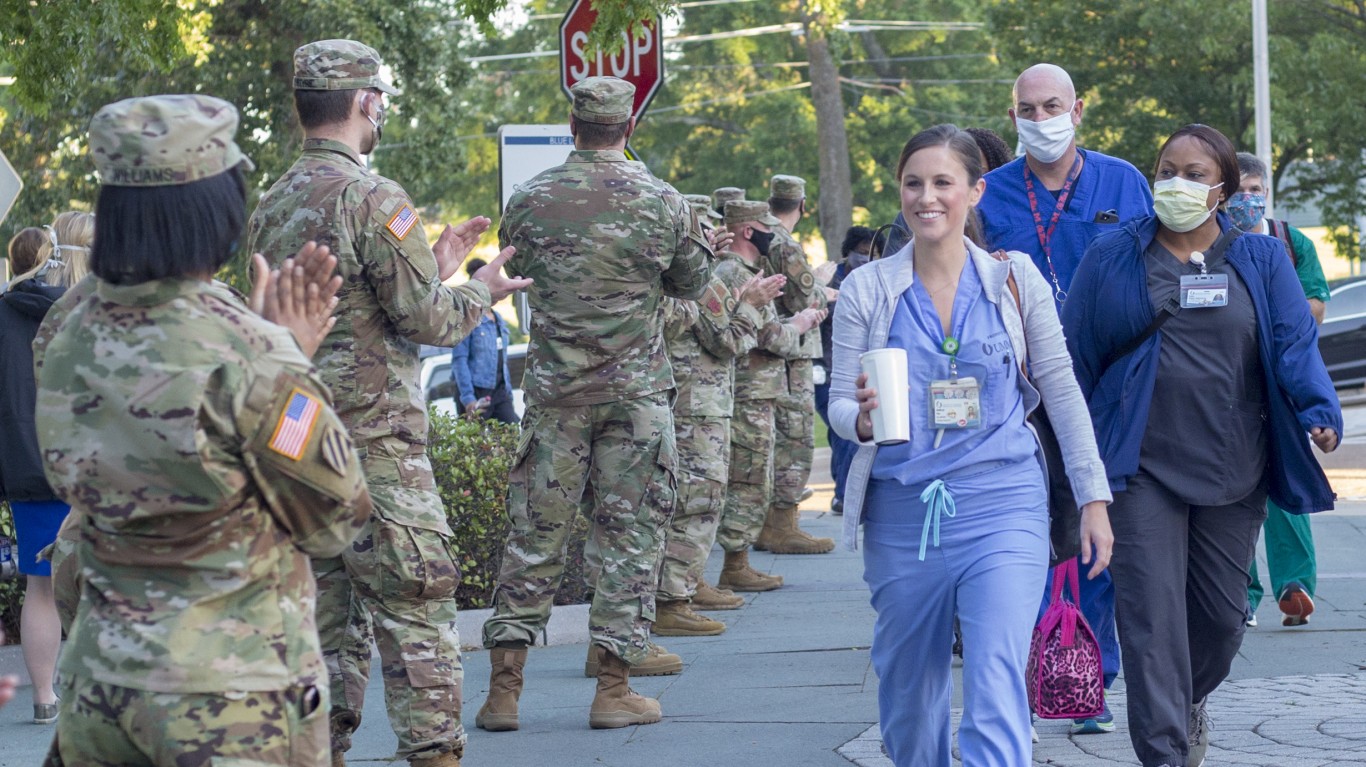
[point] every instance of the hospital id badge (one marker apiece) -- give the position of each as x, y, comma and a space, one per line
1204, 291
956, 404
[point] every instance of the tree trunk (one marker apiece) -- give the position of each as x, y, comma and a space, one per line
836, 203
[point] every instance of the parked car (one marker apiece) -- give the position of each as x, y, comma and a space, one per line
440, 389
1342, 336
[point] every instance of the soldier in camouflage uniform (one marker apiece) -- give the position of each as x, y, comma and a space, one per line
704, 337
760, 380
723, 195
606, 242
400, 575
707, 217
795, 410
204, 464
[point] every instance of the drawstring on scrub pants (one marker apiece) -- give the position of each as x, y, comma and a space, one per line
937, 502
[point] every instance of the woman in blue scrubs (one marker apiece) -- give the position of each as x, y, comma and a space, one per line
956, 519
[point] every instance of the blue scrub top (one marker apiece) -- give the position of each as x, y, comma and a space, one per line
986, 354
1104, 184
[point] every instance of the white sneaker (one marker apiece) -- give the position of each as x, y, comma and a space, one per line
1033, 734
1197, 739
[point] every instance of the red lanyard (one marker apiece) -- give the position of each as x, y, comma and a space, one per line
1046, 236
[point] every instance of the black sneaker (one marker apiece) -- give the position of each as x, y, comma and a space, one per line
837, 506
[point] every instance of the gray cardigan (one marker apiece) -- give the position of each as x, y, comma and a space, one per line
863, 319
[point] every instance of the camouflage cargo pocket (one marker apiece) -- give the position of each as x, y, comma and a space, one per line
414, 563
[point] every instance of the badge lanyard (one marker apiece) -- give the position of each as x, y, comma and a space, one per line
1046, 236
1203, 290
955, 403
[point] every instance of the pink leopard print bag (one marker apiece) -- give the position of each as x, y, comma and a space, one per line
1063, 674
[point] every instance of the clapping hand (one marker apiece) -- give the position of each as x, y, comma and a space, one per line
300, 296
491, 274
455, 243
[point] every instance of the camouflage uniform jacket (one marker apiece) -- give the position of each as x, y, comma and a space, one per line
605, 242
704, 337
802, 291
761, 374
207, 464
391, 301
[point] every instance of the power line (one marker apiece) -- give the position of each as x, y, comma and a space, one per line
774, 65
788, 27
725, 99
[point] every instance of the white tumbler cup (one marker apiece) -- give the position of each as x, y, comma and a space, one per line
886, 369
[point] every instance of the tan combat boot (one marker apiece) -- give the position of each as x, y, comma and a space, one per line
616, 704
772, 531
708, 597
736, 574
791, 539
676, 619
499, 712
447, 759
659, 662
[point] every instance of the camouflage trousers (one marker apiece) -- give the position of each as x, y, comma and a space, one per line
394, 586
102, 725
704, 461
622, 453
794, 446
750, 490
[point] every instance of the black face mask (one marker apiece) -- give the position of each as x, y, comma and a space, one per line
761, 240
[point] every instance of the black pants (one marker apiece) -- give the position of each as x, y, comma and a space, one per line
500, 404
1181, 582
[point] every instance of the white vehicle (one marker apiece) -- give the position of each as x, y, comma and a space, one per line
439, 388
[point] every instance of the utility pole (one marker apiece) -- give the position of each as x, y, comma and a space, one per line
1261, 84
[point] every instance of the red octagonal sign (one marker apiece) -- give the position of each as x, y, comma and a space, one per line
640, 60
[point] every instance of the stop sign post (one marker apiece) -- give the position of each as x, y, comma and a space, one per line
639, 62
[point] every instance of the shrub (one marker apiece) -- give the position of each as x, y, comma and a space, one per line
472, 460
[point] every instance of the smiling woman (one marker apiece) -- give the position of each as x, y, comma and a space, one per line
971, 463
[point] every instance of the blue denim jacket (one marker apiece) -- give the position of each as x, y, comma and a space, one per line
474, 361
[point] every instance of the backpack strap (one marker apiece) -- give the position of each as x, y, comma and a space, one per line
1001, 255
1281, 231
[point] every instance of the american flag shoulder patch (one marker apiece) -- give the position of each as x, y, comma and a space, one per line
296, 424
402, 222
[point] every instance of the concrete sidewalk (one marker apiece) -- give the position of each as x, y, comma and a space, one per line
790, 683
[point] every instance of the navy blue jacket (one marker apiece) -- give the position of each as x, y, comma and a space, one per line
22, 309
1108, 306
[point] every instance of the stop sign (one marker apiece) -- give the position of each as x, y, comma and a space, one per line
640, 60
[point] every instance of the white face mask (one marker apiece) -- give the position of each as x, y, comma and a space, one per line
1046, 141
1180, 203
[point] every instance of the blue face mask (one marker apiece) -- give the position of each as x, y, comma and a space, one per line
1247, 209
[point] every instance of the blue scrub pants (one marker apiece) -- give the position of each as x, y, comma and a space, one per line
989, 566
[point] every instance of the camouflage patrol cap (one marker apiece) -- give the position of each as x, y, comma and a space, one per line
782, 187
725, 194
339, 65
164, 140
604, 100
744, 211
702, 204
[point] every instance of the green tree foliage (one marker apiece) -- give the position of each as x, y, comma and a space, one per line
1145, 69
241, 51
